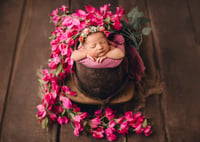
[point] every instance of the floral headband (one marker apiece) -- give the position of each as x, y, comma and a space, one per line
92, 29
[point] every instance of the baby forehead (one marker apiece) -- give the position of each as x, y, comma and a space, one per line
95, 37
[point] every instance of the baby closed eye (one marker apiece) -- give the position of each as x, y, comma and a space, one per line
102, 42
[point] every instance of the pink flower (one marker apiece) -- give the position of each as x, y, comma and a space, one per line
64, 8
104, 9
52, 65
78, 125
55, 19
42, 112
123, 128
47, 101
147, 130
66, 102
98, 113
112, 124
66, 90
54, 48
83, 115
140, 119
72, 93
55, 87
52, 116
56, 60
94, 122
76, 132
90, 9
54, 95
77, 118
81, 13
76, 109
129, 116
47, 76
117, 25
54, 12
62, 48
98, 133
58, 109
63, 120
119, 120
71, 22
110, 134
70, 42
109, 113
139, 129
120, 12
137, 115
55, 41
62, 76
107, 33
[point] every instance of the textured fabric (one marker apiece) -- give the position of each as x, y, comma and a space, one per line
135, 64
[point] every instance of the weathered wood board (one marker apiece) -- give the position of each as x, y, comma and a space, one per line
20, 123
179, 54
10, 13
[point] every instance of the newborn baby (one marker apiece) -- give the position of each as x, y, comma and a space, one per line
97, 48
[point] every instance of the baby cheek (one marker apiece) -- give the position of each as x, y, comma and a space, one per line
92, 53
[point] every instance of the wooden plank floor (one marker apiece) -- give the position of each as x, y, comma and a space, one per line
171, 55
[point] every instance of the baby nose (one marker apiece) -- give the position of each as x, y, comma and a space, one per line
99, 47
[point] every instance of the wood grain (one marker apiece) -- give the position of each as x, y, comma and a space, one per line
10, 13
193, 8
174, 36
77, 4
148, 52
33, 50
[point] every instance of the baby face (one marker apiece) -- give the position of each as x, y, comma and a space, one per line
96, 45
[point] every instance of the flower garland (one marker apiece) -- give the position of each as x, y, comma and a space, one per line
89, 30
56, 107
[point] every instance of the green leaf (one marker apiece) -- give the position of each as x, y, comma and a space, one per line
71, 115
42, 81
144, 124
124, 24
45, 122
52, 37
63, 113
85, 123
146, 30
107, 20
133, 15
137, 34
59, 69
144, 21
59, 23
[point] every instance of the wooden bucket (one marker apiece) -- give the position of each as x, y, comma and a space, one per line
101, 83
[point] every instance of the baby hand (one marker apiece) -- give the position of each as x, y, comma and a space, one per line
100, 59
90, 57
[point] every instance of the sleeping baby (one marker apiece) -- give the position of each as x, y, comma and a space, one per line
96, 47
